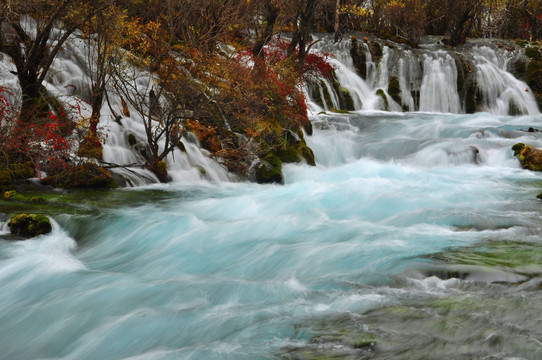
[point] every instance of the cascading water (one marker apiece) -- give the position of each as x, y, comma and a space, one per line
417, 235
501, 92
438, 92
428, 79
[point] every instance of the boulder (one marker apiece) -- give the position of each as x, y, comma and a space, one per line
29, 225
270, 170
530, 157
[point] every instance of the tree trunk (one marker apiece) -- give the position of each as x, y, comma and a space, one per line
337, 18
272, 13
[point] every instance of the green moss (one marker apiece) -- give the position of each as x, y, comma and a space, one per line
382, 94
308, 155
270, 170
87, 175
29, 225
533, 53
346, 99
22, 170
529, 157
290, 155
13, 195
6, 179
509, 254
521, 42
517, 148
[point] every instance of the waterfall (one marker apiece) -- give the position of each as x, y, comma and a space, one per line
438, 91
502, 93
70, 79
429, 79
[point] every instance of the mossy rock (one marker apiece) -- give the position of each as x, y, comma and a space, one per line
345, 98
470, 98
376, 51
6, 180
533, 53
530, 157
29, 225
84, 176
13, 172
339, 111
270, 170
22, 170
520, 69
382, 94
13, 195
290, 155
316, 96
132, 140
394, 89
296, 154
358, 58
534, 80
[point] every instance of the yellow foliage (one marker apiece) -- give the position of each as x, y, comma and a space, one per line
355, 10
398, 4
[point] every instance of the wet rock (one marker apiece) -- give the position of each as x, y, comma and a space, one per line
358, 58
394, 89
530, 157
29, 225
382, 94
534, 73
270, 170
132, 140
13, 195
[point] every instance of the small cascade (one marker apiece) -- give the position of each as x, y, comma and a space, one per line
438, 92
501, 93
125, 137
371, 66
406, 89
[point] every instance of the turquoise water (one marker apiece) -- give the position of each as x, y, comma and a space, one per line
244, 271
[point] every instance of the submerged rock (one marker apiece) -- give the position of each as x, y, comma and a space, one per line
29, 225
530, 157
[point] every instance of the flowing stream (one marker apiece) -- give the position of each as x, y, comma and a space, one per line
386, 226
417, 235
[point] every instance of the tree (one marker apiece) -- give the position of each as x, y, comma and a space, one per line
32, 34
461, 17
409, 18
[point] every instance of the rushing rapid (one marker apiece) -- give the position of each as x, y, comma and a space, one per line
244, 271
